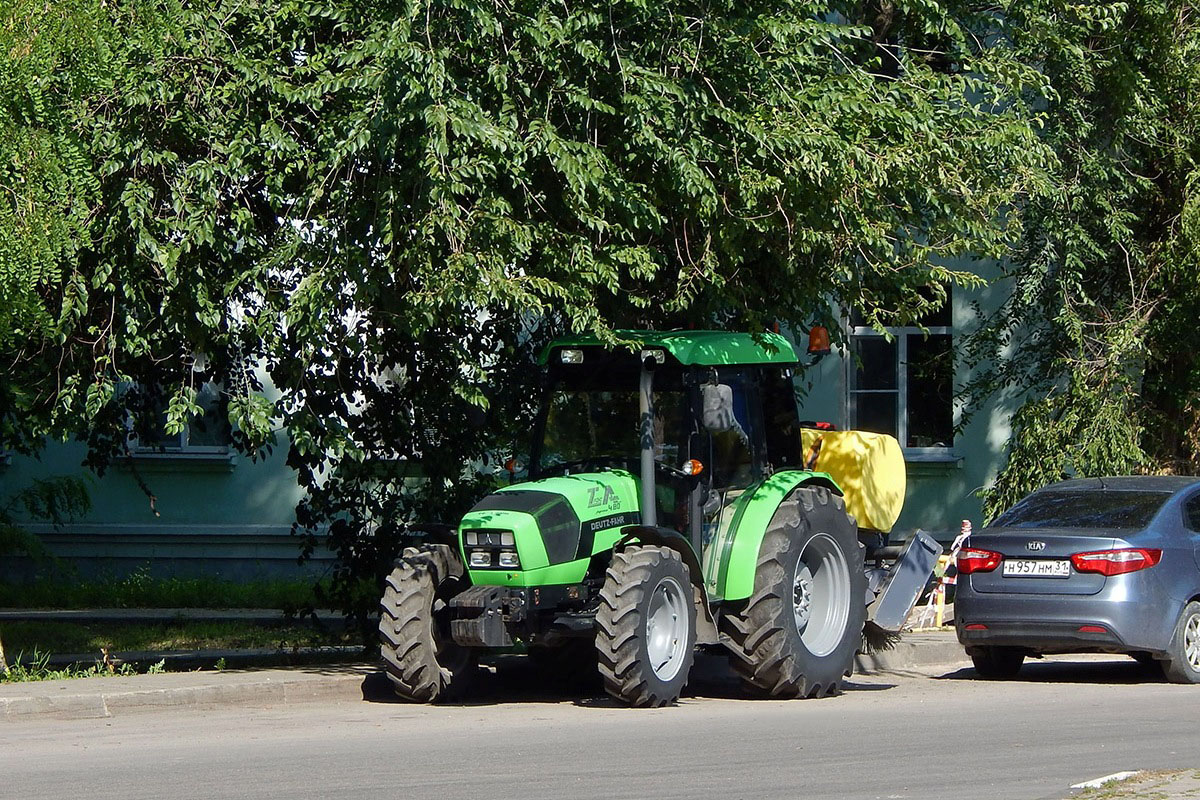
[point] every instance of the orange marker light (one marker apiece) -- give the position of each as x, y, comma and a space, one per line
818, 341
692, 467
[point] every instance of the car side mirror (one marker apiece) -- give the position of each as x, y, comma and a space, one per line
718, 415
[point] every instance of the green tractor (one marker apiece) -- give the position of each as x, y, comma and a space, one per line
672, 501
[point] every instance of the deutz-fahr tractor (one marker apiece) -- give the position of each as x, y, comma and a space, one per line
673, 500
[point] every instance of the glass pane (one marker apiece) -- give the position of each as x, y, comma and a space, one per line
588, 425
1083, 509
733, 462
1192, 512
874, 412
154, 434
930, 391
210, 429
876, 363
584, 426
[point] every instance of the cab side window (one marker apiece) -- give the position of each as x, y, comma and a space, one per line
1191, 513
732, 449
781, 421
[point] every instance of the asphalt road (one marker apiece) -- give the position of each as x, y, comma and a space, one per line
934, 735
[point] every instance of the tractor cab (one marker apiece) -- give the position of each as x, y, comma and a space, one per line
709, 426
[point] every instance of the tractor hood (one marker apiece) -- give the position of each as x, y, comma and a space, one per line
554, 520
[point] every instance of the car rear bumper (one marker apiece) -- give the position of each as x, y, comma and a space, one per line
1052, 623
1045, 637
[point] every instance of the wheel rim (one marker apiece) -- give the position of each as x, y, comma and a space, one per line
821, 595
1191, 642
666, 628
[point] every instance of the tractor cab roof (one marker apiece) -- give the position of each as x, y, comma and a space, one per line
704, 348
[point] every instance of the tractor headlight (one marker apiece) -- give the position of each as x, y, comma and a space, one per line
491, 549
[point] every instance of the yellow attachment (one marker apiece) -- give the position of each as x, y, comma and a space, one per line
870, 469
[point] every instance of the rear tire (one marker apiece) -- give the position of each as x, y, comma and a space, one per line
422, 660
646, 626
1183, 656
996, 663
797, 634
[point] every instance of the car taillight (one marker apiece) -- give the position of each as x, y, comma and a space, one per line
971, 560
1116, 562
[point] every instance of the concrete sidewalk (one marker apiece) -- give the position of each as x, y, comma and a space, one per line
106, 696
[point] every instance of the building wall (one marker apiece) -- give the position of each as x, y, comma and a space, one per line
942, 491
229, 516
217, 515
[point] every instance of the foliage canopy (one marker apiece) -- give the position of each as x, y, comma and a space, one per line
363, 218
1099, 330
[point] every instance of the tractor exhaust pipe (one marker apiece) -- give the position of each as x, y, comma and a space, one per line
646, 440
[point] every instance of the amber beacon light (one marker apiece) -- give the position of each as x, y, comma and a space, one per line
818, 341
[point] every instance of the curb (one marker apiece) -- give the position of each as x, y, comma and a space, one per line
915, 650
56, 698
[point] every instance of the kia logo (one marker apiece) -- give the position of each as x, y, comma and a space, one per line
1035, 546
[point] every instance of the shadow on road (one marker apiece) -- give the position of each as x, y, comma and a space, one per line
514, 679
1118, 670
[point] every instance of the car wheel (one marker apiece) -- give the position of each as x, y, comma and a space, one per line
996, 663
1183, 661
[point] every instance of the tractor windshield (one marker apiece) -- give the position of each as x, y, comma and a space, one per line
590, 419
584, 427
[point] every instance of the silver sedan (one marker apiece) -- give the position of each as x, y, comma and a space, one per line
1108, 565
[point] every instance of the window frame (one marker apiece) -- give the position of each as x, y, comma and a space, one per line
184, 449
900, 335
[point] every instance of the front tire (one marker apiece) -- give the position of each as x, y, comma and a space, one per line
422, 660
1183, 661
646, 626
996, 663
797, 634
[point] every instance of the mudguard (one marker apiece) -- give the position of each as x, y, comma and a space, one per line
738, 545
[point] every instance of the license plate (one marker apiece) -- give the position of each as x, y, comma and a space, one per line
1037, 568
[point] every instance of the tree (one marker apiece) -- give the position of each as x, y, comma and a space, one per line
383, 209
1099, 330
55, 500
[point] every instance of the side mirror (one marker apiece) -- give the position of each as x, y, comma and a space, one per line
718, 408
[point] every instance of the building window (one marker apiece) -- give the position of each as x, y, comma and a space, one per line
207, 433
903, 384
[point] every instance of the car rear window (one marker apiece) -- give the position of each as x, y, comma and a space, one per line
1083, 509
